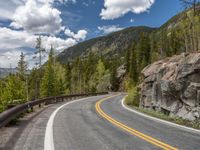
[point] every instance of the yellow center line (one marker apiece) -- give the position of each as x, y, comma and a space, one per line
129, 129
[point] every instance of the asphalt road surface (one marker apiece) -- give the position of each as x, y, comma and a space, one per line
101, 123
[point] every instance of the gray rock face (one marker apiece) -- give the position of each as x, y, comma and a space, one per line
172, 86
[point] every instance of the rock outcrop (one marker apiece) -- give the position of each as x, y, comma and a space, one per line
172, 86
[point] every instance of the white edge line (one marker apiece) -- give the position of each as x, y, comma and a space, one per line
48, 140
159, 120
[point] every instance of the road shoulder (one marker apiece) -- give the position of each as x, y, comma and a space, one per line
158, 120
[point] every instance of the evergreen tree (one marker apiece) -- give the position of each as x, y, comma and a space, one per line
143, 51
75, 76
68, 78
127, 59
59, 72
154, 48
33, 84
90, 69
133, 70
48, 80
22, 67
113, 78
40, 51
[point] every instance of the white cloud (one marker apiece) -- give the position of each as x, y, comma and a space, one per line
37, 18
12, 42
109, 29
32, 17
15, 39
69, 33
117, 8
58, 43
132, 20
66, 1
8, 7
9, 58
80, 35
85, 4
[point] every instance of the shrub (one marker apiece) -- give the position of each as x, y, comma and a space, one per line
133, 97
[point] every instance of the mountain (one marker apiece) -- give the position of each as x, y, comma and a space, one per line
6, 71
115, 44
111, 45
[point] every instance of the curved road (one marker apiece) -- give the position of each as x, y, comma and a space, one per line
101, 123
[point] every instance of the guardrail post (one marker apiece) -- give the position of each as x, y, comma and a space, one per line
55, 99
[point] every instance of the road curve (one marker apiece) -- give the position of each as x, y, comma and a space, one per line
81, 126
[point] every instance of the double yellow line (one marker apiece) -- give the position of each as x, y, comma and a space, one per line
131, 130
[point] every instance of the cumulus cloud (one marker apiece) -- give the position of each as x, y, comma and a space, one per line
109, 29
9, 59
8, 7
19, 39
28, 19
80, 35
15, 39
116, 8
37, 18
57, 43
24, 39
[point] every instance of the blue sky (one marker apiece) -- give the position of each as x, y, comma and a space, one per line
88, 16
64, 23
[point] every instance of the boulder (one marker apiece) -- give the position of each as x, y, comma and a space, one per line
173, 85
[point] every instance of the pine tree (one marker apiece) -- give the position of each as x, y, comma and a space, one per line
68, 78
75, 76
154, 48
60, 73
113, 78
90, 69
127, 59
48, 80
40, 51
143, 51
33, 85
133, 70
22, 67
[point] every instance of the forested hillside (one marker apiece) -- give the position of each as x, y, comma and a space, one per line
110, 46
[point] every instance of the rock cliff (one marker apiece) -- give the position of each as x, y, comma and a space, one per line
172, 86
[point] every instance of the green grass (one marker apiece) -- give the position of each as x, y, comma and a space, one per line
177, 120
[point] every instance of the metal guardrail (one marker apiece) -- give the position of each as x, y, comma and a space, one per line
8, 115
